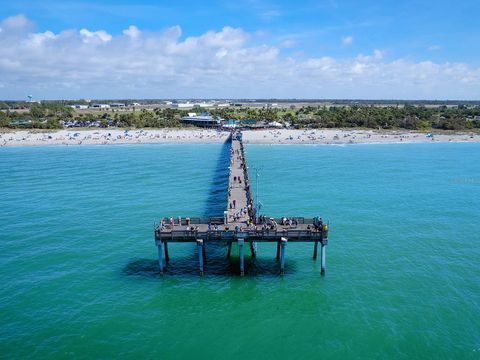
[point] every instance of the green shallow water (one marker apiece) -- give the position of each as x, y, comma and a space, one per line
80, 279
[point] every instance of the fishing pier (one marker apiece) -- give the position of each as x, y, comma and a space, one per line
240, 223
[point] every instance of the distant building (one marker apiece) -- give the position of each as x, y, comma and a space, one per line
202, 105
100, 106
189, 105
249, 122
202, 120
79, 106
231, 123
117, 105
20, 122
186, 105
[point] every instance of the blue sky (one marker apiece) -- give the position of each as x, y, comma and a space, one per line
432, 41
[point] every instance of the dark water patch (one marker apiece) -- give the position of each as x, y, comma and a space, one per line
216, 264
217, 199
142, 267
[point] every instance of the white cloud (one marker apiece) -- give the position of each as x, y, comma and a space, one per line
132, 32
347, 40
377, 55
16, 22
39, 38
96, 64
95, 36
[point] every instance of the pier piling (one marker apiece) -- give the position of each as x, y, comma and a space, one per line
167, 257
278, 251
323, 255
282, 255
315, 250
160, 256
204, 252
229, 250
200, 255
240, 255
253, 249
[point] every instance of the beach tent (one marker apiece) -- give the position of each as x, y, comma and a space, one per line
275, 124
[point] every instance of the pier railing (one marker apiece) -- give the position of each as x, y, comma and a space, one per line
218, 220
214, 220
249, 235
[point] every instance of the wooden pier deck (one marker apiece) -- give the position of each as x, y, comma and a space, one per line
240, 223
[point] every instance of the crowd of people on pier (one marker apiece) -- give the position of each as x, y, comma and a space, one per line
246, 213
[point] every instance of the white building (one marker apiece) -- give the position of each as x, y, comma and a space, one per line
100, 106
189, 105
186, 105
202, 120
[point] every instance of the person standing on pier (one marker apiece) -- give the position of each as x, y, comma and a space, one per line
234, 203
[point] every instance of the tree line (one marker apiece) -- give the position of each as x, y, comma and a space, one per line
54, 115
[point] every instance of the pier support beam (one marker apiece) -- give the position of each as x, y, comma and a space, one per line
283, 243
241, 242
160, 257
200, 255
278, 251
167, 258
315, 250
229, 250
253, 249
323, 257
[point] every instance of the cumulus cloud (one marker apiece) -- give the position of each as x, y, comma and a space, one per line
95, 64
16, 22
347, 40
132, 32
95, 36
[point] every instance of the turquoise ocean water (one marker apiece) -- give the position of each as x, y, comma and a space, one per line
79, 277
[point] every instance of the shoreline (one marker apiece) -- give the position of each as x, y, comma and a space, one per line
209, 136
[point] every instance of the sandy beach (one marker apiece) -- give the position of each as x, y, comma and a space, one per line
281, 136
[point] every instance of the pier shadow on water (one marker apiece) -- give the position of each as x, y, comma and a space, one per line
219, 265
216, 263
